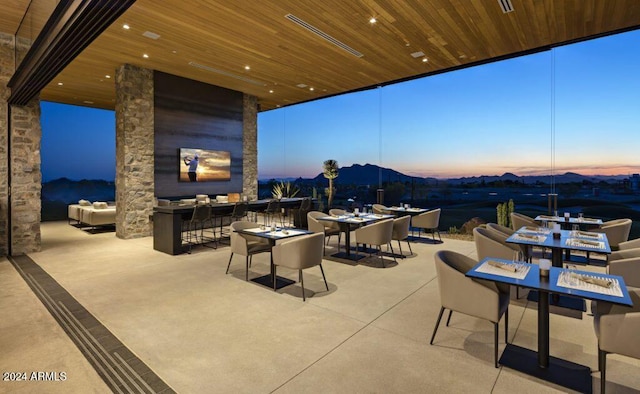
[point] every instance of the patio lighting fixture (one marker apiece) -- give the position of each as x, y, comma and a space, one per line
424, 59
247, 68
271, 91
107, 76
311, 89
60, 83
126, 27
144, 55
373, 20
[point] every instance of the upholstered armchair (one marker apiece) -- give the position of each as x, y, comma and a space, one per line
429, 220
481, 299
503, 232
401, 231
300, 253
617, 231
630, 244
325, 227
379, 208
246, 245
617, 329
378, 234
492, 244
519, 220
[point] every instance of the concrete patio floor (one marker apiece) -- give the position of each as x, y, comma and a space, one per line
203, 331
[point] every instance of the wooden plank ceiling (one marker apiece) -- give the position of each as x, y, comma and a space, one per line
213, 41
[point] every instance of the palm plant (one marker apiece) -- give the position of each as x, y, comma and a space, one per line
330, 171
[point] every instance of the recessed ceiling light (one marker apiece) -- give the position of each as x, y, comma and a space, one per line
373, 20
247, 68
271, 91
107, 76
174, 51
60, 83
278, 105
301, 85
311, 89
144, 55
424, 59
126, 27
88, 102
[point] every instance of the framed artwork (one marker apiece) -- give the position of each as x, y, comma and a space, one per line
203, 165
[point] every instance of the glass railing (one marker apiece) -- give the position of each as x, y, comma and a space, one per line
32, 23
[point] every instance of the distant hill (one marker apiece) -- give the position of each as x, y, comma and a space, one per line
370, 174
567, 177
68, 191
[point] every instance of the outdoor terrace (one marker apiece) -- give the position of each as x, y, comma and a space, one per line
201, 331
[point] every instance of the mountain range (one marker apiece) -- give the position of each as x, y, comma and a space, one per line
371, 174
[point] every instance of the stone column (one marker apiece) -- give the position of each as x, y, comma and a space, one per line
250, 146
6, 71
134, 151
26, 178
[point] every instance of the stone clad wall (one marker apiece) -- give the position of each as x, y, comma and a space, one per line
250, 147
6, 70
134, 151
26, 178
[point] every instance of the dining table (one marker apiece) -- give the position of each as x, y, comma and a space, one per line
349, 222
571, 283
562, 240
567, 221
562, 243
273, 234
403, 211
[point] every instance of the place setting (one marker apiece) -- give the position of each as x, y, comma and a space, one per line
572, 279
514, 269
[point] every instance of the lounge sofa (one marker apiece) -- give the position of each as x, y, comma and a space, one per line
92, 214
74, 210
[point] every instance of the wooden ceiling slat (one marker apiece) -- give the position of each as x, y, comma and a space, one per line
229, 35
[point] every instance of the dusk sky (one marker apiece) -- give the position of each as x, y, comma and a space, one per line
485, 120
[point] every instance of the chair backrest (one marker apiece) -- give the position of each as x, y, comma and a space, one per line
305, 204
314, 224
617, 231
429, 219
628, 268
300, 252
240, 209
617, 326
378, 233
337, 212
459, 293
401, 228
491, 244
273, 206
200, 213
379, 208
239, 241
500, 229
519, 220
